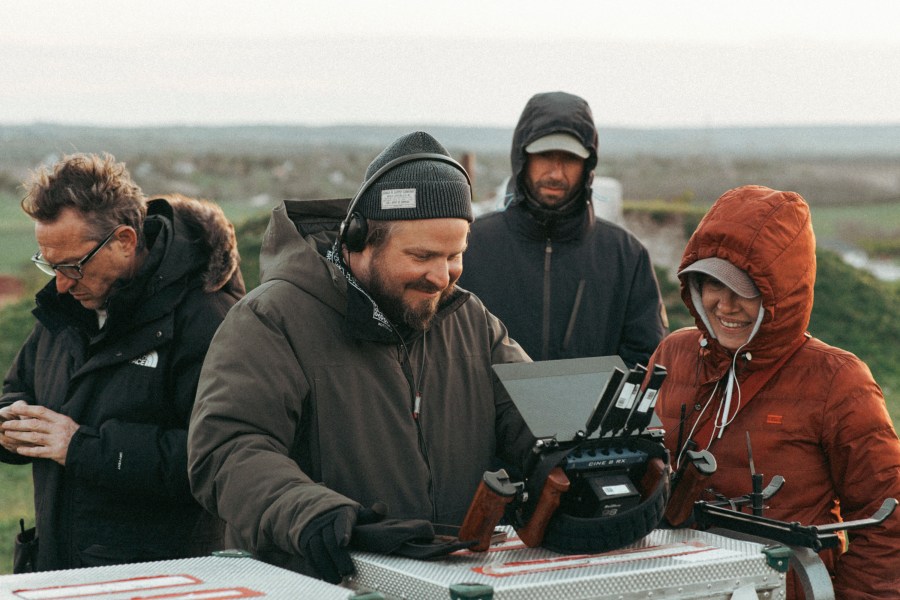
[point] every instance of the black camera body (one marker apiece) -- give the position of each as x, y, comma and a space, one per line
593, 420
603, 476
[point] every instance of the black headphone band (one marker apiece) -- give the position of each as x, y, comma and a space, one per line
387, 167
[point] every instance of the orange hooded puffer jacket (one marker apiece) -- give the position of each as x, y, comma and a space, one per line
820, 420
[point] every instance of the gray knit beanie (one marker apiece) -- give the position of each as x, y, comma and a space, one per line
418, 189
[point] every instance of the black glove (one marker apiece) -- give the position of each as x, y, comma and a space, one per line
324, 542
386, 536
412, 538
437, 547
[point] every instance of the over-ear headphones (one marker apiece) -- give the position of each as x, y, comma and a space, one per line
354, 227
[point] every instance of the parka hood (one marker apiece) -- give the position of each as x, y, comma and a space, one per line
553, 112
299, 235
210, 232
768, 234
187, 239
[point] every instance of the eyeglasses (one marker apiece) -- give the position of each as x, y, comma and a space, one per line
70, 270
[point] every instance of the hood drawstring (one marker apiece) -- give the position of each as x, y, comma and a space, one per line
722, 420
722, 416
690, 435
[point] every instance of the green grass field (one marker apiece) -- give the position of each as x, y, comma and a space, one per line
16, 234
15, 503
857, 224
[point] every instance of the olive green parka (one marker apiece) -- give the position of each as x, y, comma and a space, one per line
306, 403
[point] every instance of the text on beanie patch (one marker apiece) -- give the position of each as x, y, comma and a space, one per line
405, 198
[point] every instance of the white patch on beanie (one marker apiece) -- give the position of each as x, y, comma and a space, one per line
396, 199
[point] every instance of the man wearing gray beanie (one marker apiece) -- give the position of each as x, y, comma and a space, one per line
356, 375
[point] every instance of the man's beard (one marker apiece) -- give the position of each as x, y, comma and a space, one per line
551, 201
417, 317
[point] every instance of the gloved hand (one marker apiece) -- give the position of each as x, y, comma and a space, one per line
412, 538
324, 542
387, 536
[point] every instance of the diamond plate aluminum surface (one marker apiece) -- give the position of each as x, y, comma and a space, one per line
664, 564
206, 578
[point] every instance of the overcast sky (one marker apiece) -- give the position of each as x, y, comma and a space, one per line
639, 63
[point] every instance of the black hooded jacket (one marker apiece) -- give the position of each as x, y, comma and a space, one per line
123, 495
565, 283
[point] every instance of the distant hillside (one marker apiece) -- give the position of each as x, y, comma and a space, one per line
30, 142
849, 175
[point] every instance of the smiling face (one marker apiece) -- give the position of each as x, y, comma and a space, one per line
414, 269
731, 316
68, 239
553, 177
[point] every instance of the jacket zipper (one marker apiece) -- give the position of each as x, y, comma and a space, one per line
545, 330
570, 330
408, 371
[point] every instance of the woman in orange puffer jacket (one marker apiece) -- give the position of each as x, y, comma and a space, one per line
813, 412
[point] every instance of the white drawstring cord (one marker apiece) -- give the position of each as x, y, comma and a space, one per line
694, 427
722, 416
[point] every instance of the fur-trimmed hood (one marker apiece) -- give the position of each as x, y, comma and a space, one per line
210, 228
190, 243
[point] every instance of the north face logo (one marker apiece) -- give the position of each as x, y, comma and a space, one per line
147, 360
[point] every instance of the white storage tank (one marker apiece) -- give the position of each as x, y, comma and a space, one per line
607, 198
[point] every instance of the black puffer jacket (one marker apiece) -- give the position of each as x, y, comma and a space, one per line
566, 284
123, 495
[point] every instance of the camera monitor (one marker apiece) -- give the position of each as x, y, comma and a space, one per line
559, 398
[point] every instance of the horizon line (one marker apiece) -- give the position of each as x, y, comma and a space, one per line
351, 124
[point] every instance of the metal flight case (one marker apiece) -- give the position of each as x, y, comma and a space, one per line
665, 564
206, 578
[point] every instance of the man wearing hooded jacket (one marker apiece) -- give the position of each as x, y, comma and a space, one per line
99, 396
813, 412
357, 373
566, 283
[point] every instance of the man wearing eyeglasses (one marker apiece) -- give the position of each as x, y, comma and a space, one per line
98, 398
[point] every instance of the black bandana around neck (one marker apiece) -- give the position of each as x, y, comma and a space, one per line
363, 320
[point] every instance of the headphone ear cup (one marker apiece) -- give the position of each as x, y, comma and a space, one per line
356, 232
